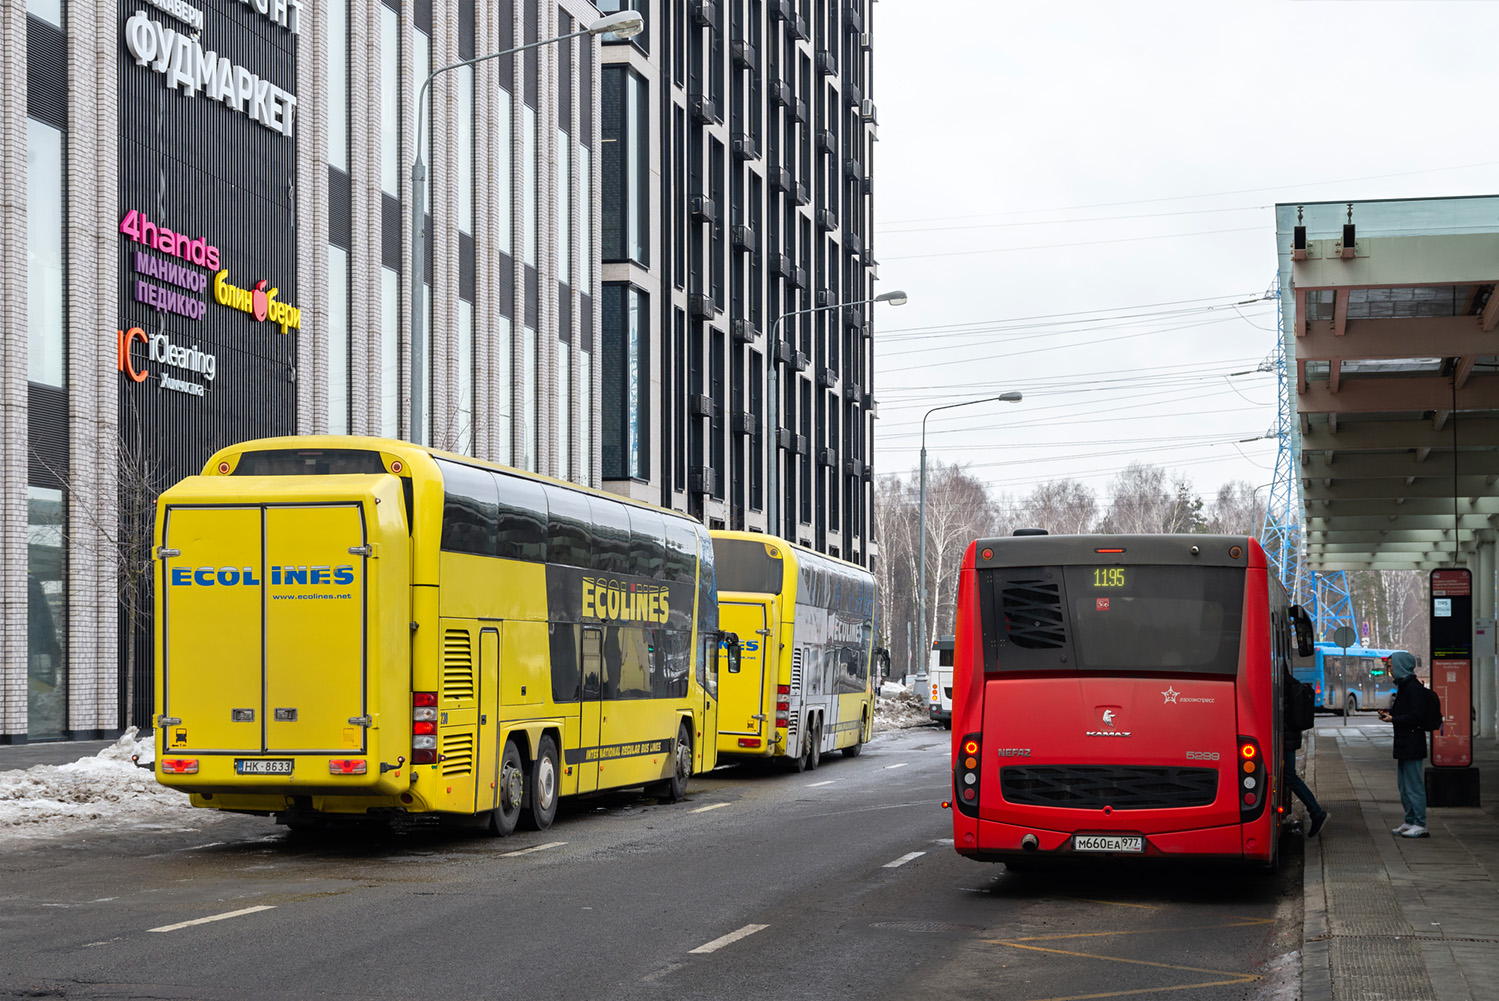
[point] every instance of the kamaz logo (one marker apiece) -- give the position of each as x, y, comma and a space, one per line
1106, 733
281, 576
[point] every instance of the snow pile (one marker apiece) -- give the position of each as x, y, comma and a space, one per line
107, 790
901, 709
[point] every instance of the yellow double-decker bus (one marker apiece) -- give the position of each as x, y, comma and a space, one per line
352, 628
803, 685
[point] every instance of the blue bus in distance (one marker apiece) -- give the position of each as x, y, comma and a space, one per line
1347, 681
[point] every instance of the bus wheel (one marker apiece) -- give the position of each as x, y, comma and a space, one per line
814, 750
799, 762
511, 793
852, 751
1351, 707
674, 789
543, 791
947, 723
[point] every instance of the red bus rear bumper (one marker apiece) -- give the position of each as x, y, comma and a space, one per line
992, 841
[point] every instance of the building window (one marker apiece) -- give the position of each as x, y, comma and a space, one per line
564, 412
757, 451
421, 66
585, 418
48, 10
501, 164
504, 399
564, 233
626, 391
338, 84
46, 615
390, 101
529, 208
463, 423
338, 340
390, 353
531, 432
466, 149
626, 166
585, 221
47, 331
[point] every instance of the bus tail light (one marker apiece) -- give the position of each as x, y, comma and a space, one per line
783, 689
749, 741
965, 774
179, 766
936, 696
1252, 779
347, 766
424, 728
780, 721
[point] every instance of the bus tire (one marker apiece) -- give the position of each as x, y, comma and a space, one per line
674, 789
542, 792
798, 763
852, 751
511, 793
947, 723
814, 748
1351, 707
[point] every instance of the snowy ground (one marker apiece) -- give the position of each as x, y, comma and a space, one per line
107, 791
896, 708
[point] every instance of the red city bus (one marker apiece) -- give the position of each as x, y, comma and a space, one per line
1118, 696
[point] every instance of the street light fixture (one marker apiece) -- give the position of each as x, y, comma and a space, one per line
621, 24
772, 505
921, 636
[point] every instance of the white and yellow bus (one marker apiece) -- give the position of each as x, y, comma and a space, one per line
804, 683
355, 628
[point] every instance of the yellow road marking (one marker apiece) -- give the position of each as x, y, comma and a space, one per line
1151, 990
1133, 962
1117, 903
1241, 923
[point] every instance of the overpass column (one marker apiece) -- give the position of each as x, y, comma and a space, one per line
1485, 678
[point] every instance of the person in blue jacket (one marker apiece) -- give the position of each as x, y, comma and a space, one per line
1410, 746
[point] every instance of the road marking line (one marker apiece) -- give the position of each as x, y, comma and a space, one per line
815, 785
710, 806
729, 939
215, 917
900, 765
670, 968
943, 841
537, 848
909, 856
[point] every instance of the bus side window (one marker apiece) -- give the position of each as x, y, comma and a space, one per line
593, 662
470, 509
647, 542
523, 519
611, 536
681, 550
565, 678
569, 527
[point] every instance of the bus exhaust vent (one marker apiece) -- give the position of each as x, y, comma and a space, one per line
1123, 787
796, 671
457, 753
1033, 614
457, 666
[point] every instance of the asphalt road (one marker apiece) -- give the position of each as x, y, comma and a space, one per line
829, 884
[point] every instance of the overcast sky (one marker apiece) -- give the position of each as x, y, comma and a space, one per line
1076, 195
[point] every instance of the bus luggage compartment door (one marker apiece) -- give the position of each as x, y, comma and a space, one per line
741, 695
314, 628
211, 629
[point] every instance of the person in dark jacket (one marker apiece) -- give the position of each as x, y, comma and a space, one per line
1290, 744
1409, 744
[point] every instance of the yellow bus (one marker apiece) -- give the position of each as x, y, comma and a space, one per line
356, 628
803, 685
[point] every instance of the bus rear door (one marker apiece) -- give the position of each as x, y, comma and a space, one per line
743, 709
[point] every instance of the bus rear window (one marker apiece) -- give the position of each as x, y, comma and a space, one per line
743, 565
1130, 619
309, 462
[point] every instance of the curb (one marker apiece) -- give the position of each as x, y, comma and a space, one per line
1316, 958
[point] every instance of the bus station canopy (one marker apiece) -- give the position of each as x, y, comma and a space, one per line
1392, 331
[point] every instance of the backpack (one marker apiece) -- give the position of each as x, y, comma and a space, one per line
1301, 710
1429, 709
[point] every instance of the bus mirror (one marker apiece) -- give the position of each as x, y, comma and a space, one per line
729, 643
1305, 636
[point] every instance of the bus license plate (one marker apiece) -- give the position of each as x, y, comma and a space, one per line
1108, 843
263, 766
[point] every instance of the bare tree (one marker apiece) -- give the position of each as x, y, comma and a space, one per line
1237, 510
1062, 507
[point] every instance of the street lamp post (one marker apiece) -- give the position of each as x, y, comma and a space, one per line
772, 387
922, 640
622, 24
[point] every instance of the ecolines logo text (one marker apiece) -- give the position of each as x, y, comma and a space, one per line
281, 576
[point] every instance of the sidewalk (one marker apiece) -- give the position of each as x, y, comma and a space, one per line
1395, 918
52, 752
